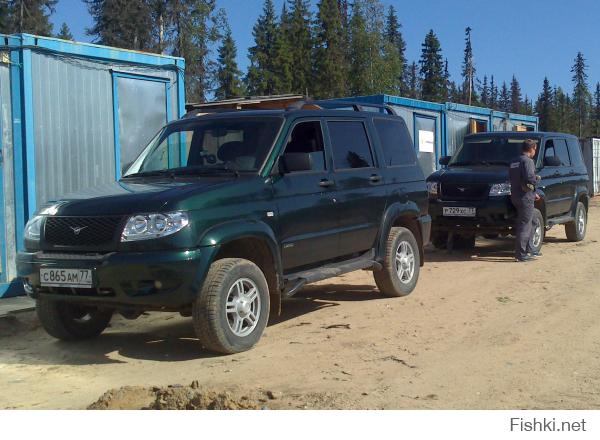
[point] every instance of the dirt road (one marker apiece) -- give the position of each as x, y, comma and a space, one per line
480, 332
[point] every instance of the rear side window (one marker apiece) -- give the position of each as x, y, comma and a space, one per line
350, 145
575, 151
395, 142
562, 152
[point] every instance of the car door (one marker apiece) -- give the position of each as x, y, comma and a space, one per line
555, 183
307, 218
360, 191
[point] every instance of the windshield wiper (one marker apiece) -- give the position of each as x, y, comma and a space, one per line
461, 163
205, 170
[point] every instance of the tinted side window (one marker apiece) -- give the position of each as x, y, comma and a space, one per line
575, 152
307, 137
560, 148
395, 142
350, 145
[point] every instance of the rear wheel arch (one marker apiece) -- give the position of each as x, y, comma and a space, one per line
400, 215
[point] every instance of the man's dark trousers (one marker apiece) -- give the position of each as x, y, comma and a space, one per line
525, 226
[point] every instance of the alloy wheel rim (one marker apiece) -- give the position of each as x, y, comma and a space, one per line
243, 307
581, 222
405, 262
537, 236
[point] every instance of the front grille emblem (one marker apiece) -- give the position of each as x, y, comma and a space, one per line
77, 230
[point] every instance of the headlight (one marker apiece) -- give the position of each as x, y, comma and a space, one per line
500, 189
147, 226
433, 188
33, 228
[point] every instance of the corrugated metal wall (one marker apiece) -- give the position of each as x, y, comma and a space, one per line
7, 168
73, 119
458, 128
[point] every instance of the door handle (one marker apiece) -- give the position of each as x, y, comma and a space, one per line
375, 178
326, 183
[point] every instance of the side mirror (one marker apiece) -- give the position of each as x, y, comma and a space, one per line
293, 162
445, 160
552, 161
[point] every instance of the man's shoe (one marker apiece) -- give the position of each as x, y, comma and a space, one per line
525, 259
535, 254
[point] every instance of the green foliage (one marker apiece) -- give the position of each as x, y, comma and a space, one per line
468, 70
394, 53
261, 77
544, 107
229, 84
433, 81
300, 45
581, 93
121, 23
65, 33
515, 96
504, 101
595, 128
330, 57
412, 82
27, 16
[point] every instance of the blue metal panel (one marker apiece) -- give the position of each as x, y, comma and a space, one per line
2, 217
451, 106
29, 135
413, 103
18, 146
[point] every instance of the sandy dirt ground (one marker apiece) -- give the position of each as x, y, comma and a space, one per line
479, 332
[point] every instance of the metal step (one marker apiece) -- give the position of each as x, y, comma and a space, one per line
295, 281
560, 220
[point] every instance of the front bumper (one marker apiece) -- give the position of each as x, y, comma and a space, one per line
493, 215
161, 280
425, 224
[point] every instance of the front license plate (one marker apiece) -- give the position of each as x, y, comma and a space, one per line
450, 211
81, 278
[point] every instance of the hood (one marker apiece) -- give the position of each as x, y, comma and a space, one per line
471, 174
131, 196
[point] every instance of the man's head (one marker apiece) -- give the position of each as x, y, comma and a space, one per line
529, 146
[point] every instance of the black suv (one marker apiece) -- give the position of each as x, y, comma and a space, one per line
470, 196
222, 216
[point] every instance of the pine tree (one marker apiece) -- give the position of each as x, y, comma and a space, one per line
393, 38
361, 72
485, 92
493, 99
433, 87
193, 32
515, 96
65, 33
468, 69
300, 41
412, 82
504, 102
283, 64
261, 79
121, 23
161, 24
5, 25
563, 111
229, 84
330, 61
581, 93
596, 112
29, 16
544, 107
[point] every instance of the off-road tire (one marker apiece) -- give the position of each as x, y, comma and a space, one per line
573, 231
387, 279
62, 320
209, 309
537, 214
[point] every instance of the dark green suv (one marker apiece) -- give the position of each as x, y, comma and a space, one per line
224, 215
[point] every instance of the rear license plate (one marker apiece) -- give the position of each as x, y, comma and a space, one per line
81, 278
450, 211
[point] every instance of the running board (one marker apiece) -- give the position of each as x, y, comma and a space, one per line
560, 220
295, 281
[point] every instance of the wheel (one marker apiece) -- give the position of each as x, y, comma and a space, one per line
232, 308
401, 264
72, 322
539, 231
439, 240
575, 230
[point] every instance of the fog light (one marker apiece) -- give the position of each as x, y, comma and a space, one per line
158, 285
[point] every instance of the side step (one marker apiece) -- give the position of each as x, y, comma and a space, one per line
295, 281
560, 220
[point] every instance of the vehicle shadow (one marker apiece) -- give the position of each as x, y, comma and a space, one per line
491, 251
168, 339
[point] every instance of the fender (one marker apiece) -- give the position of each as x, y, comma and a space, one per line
580, 190
223, 233
392, 212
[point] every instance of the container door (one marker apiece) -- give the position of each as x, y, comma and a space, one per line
426, 143
141, 110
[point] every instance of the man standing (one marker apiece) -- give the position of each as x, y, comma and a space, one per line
523, 195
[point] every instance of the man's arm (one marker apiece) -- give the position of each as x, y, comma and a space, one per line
530, 177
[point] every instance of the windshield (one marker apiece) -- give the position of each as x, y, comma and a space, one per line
488, 151
234, 145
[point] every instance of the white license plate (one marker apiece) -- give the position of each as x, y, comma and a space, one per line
450, 211
81, 278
